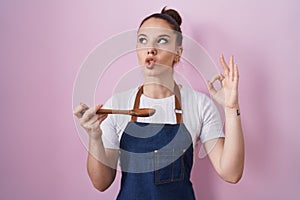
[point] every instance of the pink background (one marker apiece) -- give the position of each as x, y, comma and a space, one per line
43, 44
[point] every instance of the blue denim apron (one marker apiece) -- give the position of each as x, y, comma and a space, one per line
156, 159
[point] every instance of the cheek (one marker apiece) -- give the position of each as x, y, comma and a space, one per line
167, 58
140, 56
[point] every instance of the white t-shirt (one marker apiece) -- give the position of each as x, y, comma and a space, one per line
200, 115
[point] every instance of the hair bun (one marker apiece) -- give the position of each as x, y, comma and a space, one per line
172, 13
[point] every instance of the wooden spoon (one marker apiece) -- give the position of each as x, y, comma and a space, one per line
139, 112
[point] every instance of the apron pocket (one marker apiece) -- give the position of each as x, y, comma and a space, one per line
169, 166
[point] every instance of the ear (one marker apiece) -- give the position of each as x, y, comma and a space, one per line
179, 50
178, 54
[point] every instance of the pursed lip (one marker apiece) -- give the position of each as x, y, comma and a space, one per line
149, 59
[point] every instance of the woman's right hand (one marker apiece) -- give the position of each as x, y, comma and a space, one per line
89, 120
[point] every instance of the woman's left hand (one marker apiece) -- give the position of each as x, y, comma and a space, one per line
227, 96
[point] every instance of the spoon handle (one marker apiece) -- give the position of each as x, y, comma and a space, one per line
110, 111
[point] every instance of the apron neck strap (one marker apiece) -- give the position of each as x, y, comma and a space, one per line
177, 109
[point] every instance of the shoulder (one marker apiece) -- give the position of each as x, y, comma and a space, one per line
126, 93
188, 94
122, 100
197, 103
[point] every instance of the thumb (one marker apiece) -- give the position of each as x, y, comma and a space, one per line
97, 107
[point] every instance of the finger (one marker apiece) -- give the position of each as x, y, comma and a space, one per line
102, 117
98, 118
97, 107
231, 71
236, 72
221, 78
79, 110
211, 88
83, 105
91, 121
224, 65
88, 115
216, 77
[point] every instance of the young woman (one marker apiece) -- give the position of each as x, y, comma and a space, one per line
156, 153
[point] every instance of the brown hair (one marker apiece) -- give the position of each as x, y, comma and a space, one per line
172, 17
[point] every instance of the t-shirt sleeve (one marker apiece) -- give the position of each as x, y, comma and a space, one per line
109, 133
212, 126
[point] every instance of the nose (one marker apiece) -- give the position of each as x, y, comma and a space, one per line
152, 51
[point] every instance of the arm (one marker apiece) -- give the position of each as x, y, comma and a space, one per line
227, 155
101, 162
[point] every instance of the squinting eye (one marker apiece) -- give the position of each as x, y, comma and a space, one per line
162, 41
142, 40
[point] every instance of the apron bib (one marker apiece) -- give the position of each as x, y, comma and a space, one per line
156, 159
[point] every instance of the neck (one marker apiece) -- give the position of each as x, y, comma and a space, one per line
158, 89
159, 83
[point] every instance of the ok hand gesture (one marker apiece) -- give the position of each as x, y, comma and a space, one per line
227, 96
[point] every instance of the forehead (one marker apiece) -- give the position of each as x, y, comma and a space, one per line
156, 26
156, 22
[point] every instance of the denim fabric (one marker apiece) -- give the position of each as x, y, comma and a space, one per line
156, 162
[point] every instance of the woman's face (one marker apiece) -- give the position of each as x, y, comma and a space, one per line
156, 45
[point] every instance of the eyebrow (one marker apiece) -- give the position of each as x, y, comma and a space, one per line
142, 35
163, 35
